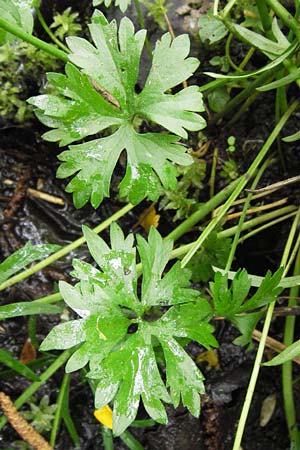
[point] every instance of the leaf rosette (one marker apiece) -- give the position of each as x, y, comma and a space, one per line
102, 95
120, 335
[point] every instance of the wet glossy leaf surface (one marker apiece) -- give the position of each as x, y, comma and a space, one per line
118, 332
24, 256
103, 95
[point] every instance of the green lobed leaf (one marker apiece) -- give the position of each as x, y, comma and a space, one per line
231, 302
122, 4
118, 332
213, 252
24, 256
211, 29
102, 95
285, 283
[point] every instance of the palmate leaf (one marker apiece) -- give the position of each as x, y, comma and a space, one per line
117, 332
122, 4
102, 95
231, 302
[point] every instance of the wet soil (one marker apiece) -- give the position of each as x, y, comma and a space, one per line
27, 161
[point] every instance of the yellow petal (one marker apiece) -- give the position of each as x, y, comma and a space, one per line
211, 357
149, 218
104, 416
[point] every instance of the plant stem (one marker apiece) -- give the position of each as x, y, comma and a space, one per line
287, 367
184, 249
260, 351
285, 16
59, 361
243, 216
212, 178
142, 25
38, 43
130, 441
31, 327
267, 225
65, 250
107, 439
58, 412
242, 182
49, 32
265, 17
203, 211
243, 95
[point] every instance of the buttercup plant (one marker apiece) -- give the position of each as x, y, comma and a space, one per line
127, 336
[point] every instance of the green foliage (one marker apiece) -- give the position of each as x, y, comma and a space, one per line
218, 98
157, 9
66, 24
122, 4
24, 256
232, 303
184, 198
291, 352
16, 12
229, 170
103, 95
231, 144
21, 66
221, 61
27, 309
41, 415
8, 360
213, 252
117, 332
211, 29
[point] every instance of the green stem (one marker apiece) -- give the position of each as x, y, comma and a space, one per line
142, 25
243, 95
260, 352
65, 250
293, 254
213, 84
31, 327
59, 361
241, 184
107, 439
49, 32
228, 56
266, 226
184, 249
265, 17
58, 412
212, 178
287, 367
284, 213
243, 215
203, 211
38, 43
130, 441
285, 16
244, 107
